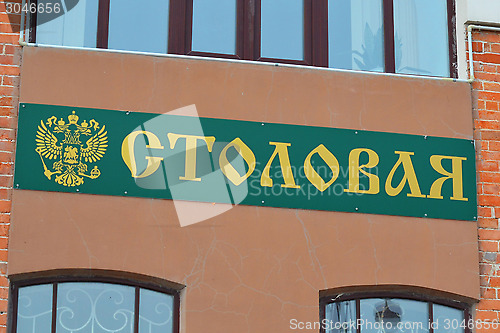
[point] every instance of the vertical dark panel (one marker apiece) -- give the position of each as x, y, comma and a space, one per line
240, 32
467, 317
188, 26
33, 19
103, 24
256, 30
390, 66
54, 308
452, 41
248, 29
358, 314
431, 316
320, 33
322, 313
136, 309
177, 27
12, 310
176, 315
308, 19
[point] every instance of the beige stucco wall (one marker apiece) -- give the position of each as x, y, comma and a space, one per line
250, 268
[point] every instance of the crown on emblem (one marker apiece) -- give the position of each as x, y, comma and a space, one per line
61, 122
73, 118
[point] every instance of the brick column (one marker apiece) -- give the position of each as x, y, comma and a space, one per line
10, 58
486, 106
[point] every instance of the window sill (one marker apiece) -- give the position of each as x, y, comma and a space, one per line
261, 63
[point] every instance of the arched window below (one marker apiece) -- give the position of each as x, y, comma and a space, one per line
99, 305
392, 312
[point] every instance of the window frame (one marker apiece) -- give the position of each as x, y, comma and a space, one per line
186, 27
248, 33
55, 280
308, 45
414, 296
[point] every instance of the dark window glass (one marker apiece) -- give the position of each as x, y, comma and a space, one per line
356, 35
138, 25
448, 319
75, 26
214, 26
421, 37
155, 311
390, 315
282, 29
34, 309
94, 307
342, 313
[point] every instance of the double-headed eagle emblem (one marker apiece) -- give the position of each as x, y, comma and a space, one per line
70, 153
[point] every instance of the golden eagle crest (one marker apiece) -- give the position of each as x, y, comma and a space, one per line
60, 141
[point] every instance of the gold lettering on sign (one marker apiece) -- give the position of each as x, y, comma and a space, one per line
129, 156
286, 169
228, 170
455, 175
409, 176
191, 142
355, 169
330, 160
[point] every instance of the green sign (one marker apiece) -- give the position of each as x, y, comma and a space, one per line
137, 154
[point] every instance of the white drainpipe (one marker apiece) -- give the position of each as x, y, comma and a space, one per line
22, 42
469, 40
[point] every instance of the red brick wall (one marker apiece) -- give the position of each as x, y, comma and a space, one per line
9, 80
486, 95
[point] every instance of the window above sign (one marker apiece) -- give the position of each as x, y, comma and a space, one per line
392, 36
